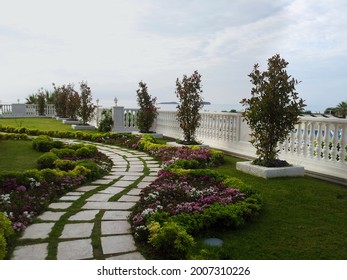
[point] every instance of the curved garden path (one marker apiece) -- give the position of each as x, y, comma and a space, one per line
91, 222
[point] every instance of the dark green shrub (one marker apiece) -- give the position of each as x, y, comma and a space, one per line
43, 143
46, 160
58, 144
64, 165
185, 164
87, 151
92, 166
50, 175
76, 146
106, 122
64, 153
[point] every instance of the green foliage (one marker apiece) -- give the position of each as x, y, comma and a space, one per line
147, 112
73, 103
5, 232
274, 108
42, 143
64, 153
61, 94
171, 239
185, 164
106, 122
189, 92
64, 165
87, 108
41, 101
95, 171
87, 151
46, 160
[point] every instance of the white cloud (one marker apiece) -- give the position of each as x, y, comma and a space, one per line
114, 44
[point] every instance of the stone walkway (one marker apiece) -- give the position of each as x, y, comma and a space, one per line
91, 222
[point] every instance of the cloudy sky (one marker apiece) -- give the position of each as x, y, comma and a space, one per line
114, 44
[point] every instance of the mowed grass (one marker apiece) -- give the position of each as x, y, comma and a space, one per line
303, 218
17, 155
45, 124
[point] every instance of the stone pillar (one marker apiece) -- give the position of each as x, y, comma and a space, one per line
118, 119
19, 110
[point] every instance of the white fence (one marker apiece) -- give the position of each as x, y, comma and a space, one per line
24, 110
317, 143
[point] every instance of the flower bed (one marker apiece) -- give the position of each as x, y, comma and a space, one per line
182, 203
24, 195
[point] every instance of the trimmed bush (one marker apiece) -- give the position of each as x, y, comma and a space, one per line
88, 151
170, 240
92, 166
43, 143
5, 232
46, 160
64, 153
65, 165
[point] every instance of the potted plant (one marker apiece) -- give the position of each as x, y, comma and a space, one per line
272, 111
189, 92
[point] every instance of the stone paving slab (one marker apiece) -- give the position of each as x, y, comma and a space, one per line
87, 188
60, 205
129, 256
116, 215
153, 165
136, 191
37, 231
111, 177
115, 227
108, 205
75, 250
102, 182
129, 198
155, 169
130, 177
100, 197
128, 173
74, 193
142, 185
123, 183
112, 190
78, 230
51, 216
149, 179
31, 252
86, 215
135, 169
117, 244
69, 198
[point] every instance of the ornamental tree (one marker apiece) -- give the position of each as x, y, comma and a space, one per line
41, 102
147, 112
87, 108
189, 92
273, 110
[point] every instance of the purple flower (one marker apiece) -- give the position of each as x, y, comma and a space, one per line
21, 189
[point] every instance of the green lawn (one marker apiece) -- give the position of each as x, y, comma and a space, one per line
303, 218
17, 155
44, 124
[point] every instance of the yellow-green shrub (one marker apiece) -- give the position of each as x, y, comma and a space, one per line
5, 231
